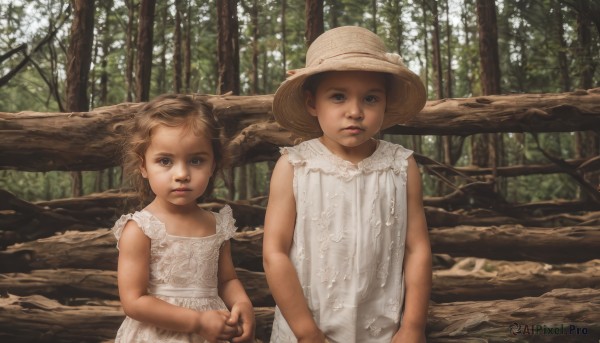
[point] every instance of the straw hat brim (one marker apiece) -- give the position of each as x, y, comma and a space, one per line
406, 94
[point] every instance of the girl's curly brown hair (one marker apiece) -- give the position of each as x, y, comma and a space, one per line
171, 110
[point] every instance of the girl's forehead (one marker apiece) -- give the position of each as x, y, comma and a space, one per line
178, 138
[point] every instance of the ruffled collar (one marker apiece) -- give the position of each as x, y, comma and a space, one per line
315, 156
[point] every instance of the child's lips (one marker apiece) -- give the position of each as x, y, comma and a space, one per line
353, 129
181, 189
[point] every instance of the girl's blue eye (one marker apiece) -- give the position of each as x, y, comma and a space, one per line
196, 161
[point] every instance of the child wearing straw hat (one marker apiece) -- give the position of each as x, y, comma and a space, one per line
346, 249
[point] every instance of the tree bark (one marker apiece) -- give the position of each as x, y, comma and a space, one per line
144, 49
177, 47
130, 42
314, 20
436, 50
79, 59
488, 47
228, 47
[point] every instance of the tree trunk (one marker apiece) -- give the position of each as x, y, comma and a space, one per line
144, 49
161, 73
314, 20
187, 49
437, 56
228, 47
425, 24
254, 84
177, 59
106, 41
563, 63
130, 42
228, 65
79, 57
488, 47
374, 15
283, 42
490, 78
448, 53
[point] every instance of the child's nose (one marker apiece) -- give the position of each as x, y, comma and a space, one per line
181, 173
355, 109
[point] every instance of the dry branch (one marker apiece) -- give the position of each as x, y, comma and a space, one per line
53, 141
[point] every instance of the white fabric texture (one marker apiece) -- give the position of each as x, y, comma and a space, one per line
183, 272
348, 244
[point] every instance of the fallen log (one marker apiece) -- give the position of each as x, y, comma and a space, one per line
23, 221
474, 279
53, 140
68, 283
39, 319
518, 320
518, 243
470, 279
35, 318
97, 249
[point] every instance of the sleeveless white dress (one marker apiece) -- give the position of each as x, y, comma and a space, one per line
348, 244
183, 272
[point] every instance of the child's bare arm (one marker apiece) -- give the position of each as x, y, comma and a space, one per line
133, 274
417, 261
233, 294
281, 275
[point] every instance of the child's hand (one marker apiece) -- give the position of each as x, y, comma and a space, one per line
407, 335
242, 316
214, 326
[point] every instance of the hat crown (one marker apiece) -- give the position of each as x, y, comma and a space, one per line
344, 40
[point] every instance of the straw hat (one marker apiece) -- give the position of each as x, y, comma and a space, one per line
343, 49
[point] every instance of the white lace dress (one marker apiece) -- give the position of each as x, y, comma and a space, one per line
183, 272
348, 244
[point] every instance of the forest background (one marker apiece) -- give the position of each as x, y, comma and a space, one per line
543, 46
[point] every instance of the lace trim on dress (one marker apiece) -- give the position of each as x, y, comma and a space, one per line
155, 229
151, 226
316, 157
226, 222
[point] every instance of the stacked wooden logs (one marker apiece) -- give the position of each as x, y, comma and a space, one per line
502, 272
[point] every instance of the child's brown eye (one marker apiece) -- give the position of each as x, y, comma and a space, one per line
196, 161
371, 99
338, 97
164, 161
